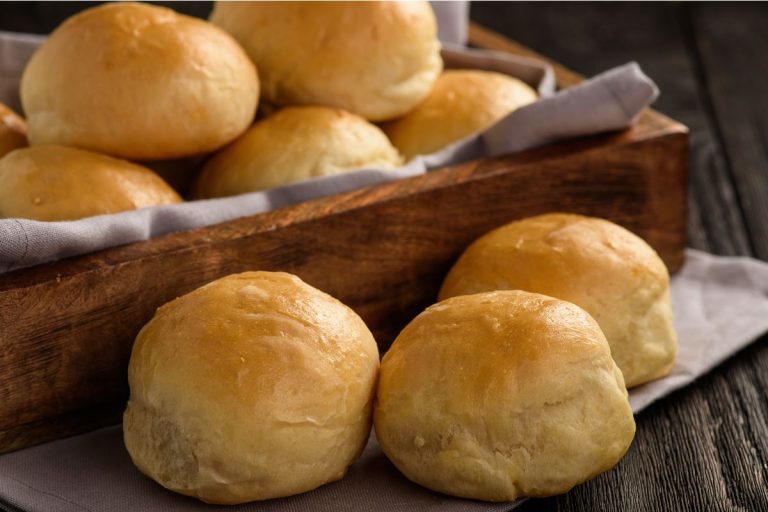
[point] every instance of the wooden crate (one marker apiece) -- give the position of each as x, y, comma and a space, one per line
66, 328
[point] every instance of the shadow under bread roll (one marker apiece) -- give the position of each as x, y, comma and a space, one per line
295, 144
502, 395
375, 59
607, 270
13, 131
140, 82
254, 386
463, 102
53, 183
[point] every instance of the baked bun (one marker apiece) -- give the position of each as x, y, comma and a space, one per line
139, 82
376, 59
13, 131
59, 183
462, 103
501, 395
296, 144
252, 387
611, 273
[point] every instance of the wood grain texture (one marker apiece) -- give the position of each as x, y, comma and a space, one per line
726, 40
703, 448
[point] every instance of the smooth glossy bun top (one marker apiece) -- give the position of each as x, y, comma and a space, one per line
607, 270
501, 395
139, 82
296, 144
13, 131
462, 103
376, 59
254, 386
59, 183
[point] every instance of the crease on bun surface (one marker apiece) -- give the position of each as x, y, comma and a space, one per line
375, 59
296, 144
54, 183
463, 102
607, 270
13, 131
254, 386
501, 395
139, 82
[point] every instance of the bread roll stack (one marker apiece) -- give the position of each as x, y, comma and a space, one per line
600, 266
125, 80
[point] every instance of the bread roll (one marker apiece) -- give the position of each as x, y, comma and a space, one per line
296, 144
13, 131
58, 183
376, 59
462, 103
252, 387
613, 274
501, 395
140, 82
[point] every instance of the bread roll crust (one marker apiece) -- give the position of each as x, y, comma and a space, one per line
463, 102
501, 395
140, 82
252, 387
54, 183
600, 266
375, 59
296, 144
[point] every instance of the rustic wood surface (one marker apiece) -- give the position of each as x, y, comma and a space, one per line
704, 447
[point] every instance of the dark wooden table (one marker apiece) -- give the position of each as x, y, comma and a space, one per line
704, 447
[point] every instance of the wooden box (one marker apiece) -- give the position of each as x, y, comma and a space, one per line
66, 328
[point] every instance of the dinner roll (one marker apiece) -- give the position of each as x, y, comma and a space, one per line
501, 395
463, 102
13, 131
254, 386
296, 144
59, 183
139, 82
613, 274
376, 59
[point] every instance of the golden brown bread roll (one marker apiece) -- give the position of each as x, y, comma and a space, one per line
376, 59
58, 183
462, 103
139, 82
611, 273
254, 386
296, 144
13, 131
501, 395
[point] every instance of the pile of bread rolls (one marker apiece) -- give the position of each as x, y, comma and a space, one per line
262, 95
258, 385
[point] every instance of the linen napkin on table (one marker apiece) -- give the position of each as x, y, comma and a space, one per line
720, 306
